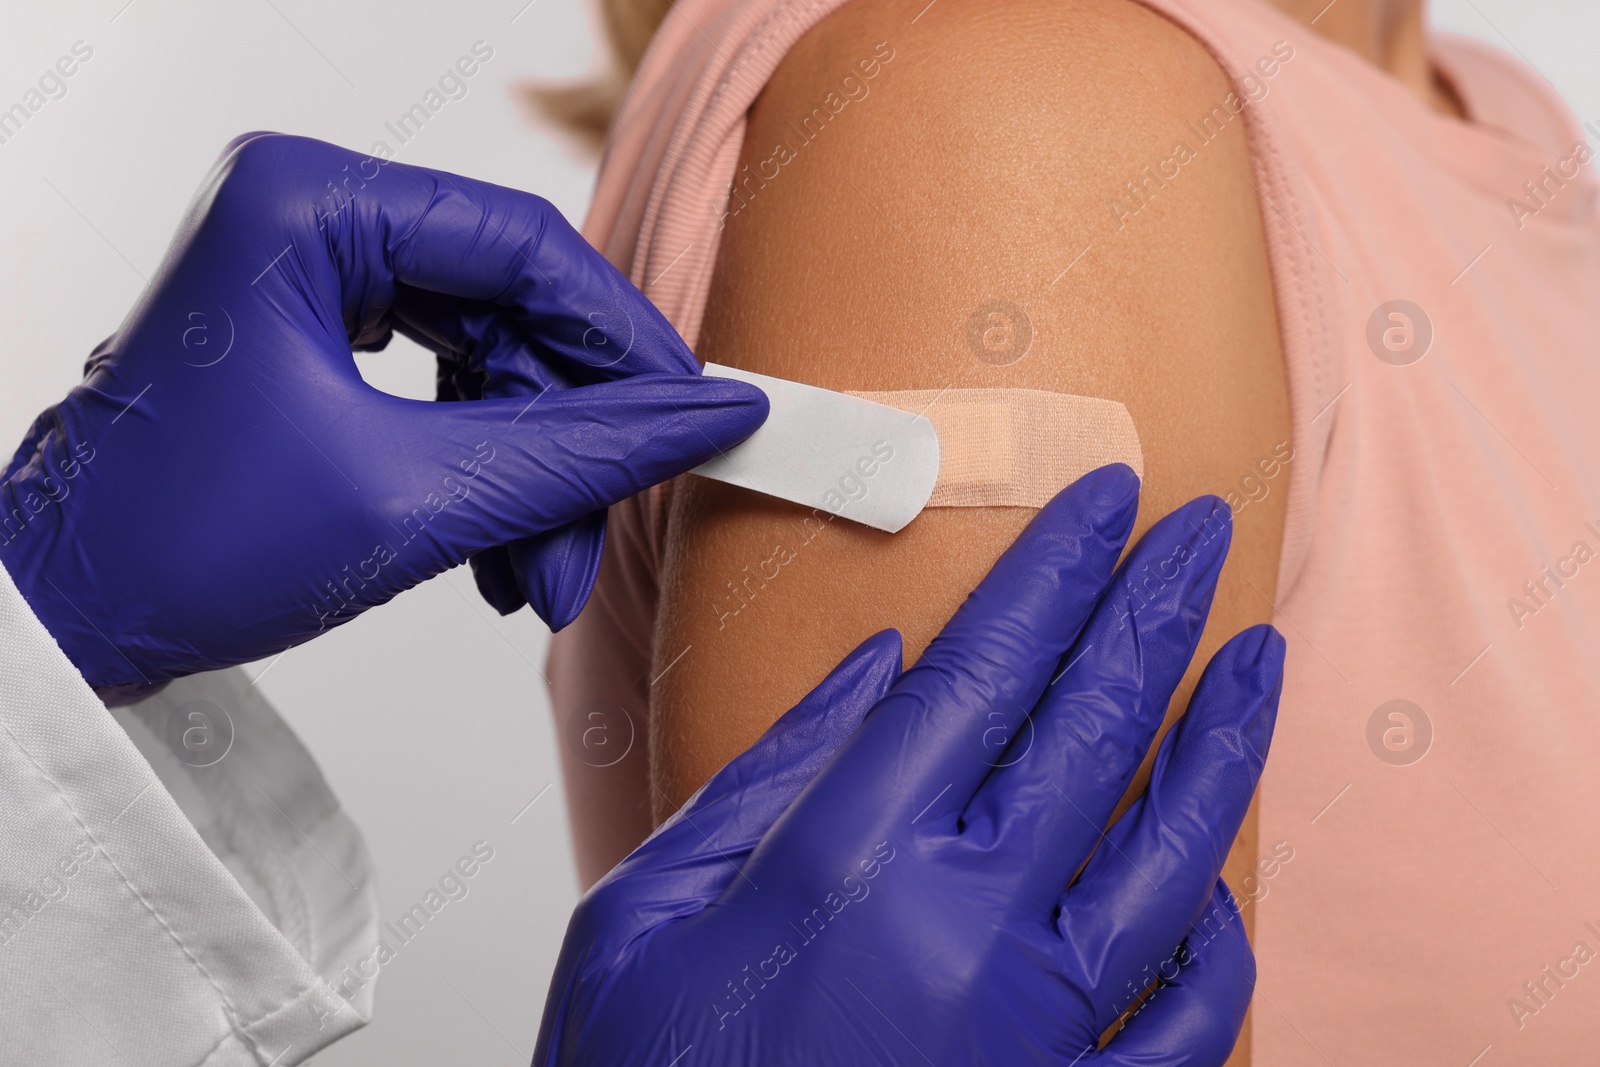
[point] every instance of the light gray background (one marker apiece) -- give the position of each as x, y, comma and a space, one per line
429, 717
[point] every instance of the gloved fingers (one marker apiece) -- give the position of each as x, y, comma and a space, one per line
369, 225
1149, 880
1194, 1016
497, 581
483, 242
476, 338
988, 666
701, 848
452, 381
1056, 785
447, 325
47, 421
555, 570
481, 353
491, 568
532, 467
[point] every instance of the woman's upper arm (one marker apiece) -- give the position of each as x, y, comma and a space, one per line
984, 159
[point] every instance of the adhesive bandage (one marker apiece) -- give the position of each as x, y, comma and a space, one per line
879, 458
1017, 447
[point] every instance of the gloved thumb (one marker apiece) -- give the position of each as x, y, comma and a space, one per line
762, 781
568, 454
696, 853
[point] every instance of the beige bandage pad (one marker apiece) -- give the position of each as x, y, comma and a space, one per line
1017, 447
879, 458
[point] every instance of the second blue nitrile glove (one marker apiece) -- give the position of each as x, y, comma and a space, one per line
878, 882
223, 485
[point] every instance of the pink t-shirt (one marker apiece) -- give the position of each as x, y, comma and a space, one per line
1435, 779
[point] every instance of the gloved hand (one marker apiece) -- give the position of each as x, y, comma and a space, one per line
223, 485
886, 877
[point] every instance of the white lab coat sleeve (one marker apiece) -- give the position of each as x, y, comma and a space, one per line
177, 883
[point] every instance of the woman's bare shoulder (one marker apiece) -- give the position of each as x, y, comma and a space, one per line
911, 171
910, 163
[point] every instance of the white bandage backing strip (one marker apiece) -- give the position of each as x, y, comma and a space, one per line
879, 458
851, 457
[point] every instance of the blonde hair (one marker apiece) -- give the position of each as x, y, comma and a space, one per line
586, 110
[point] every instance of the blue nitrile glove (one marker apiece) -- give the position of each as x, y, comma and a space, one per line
883, 879
223, 485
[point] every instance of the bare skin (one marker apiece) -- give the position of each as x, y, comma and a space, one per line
859, 268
